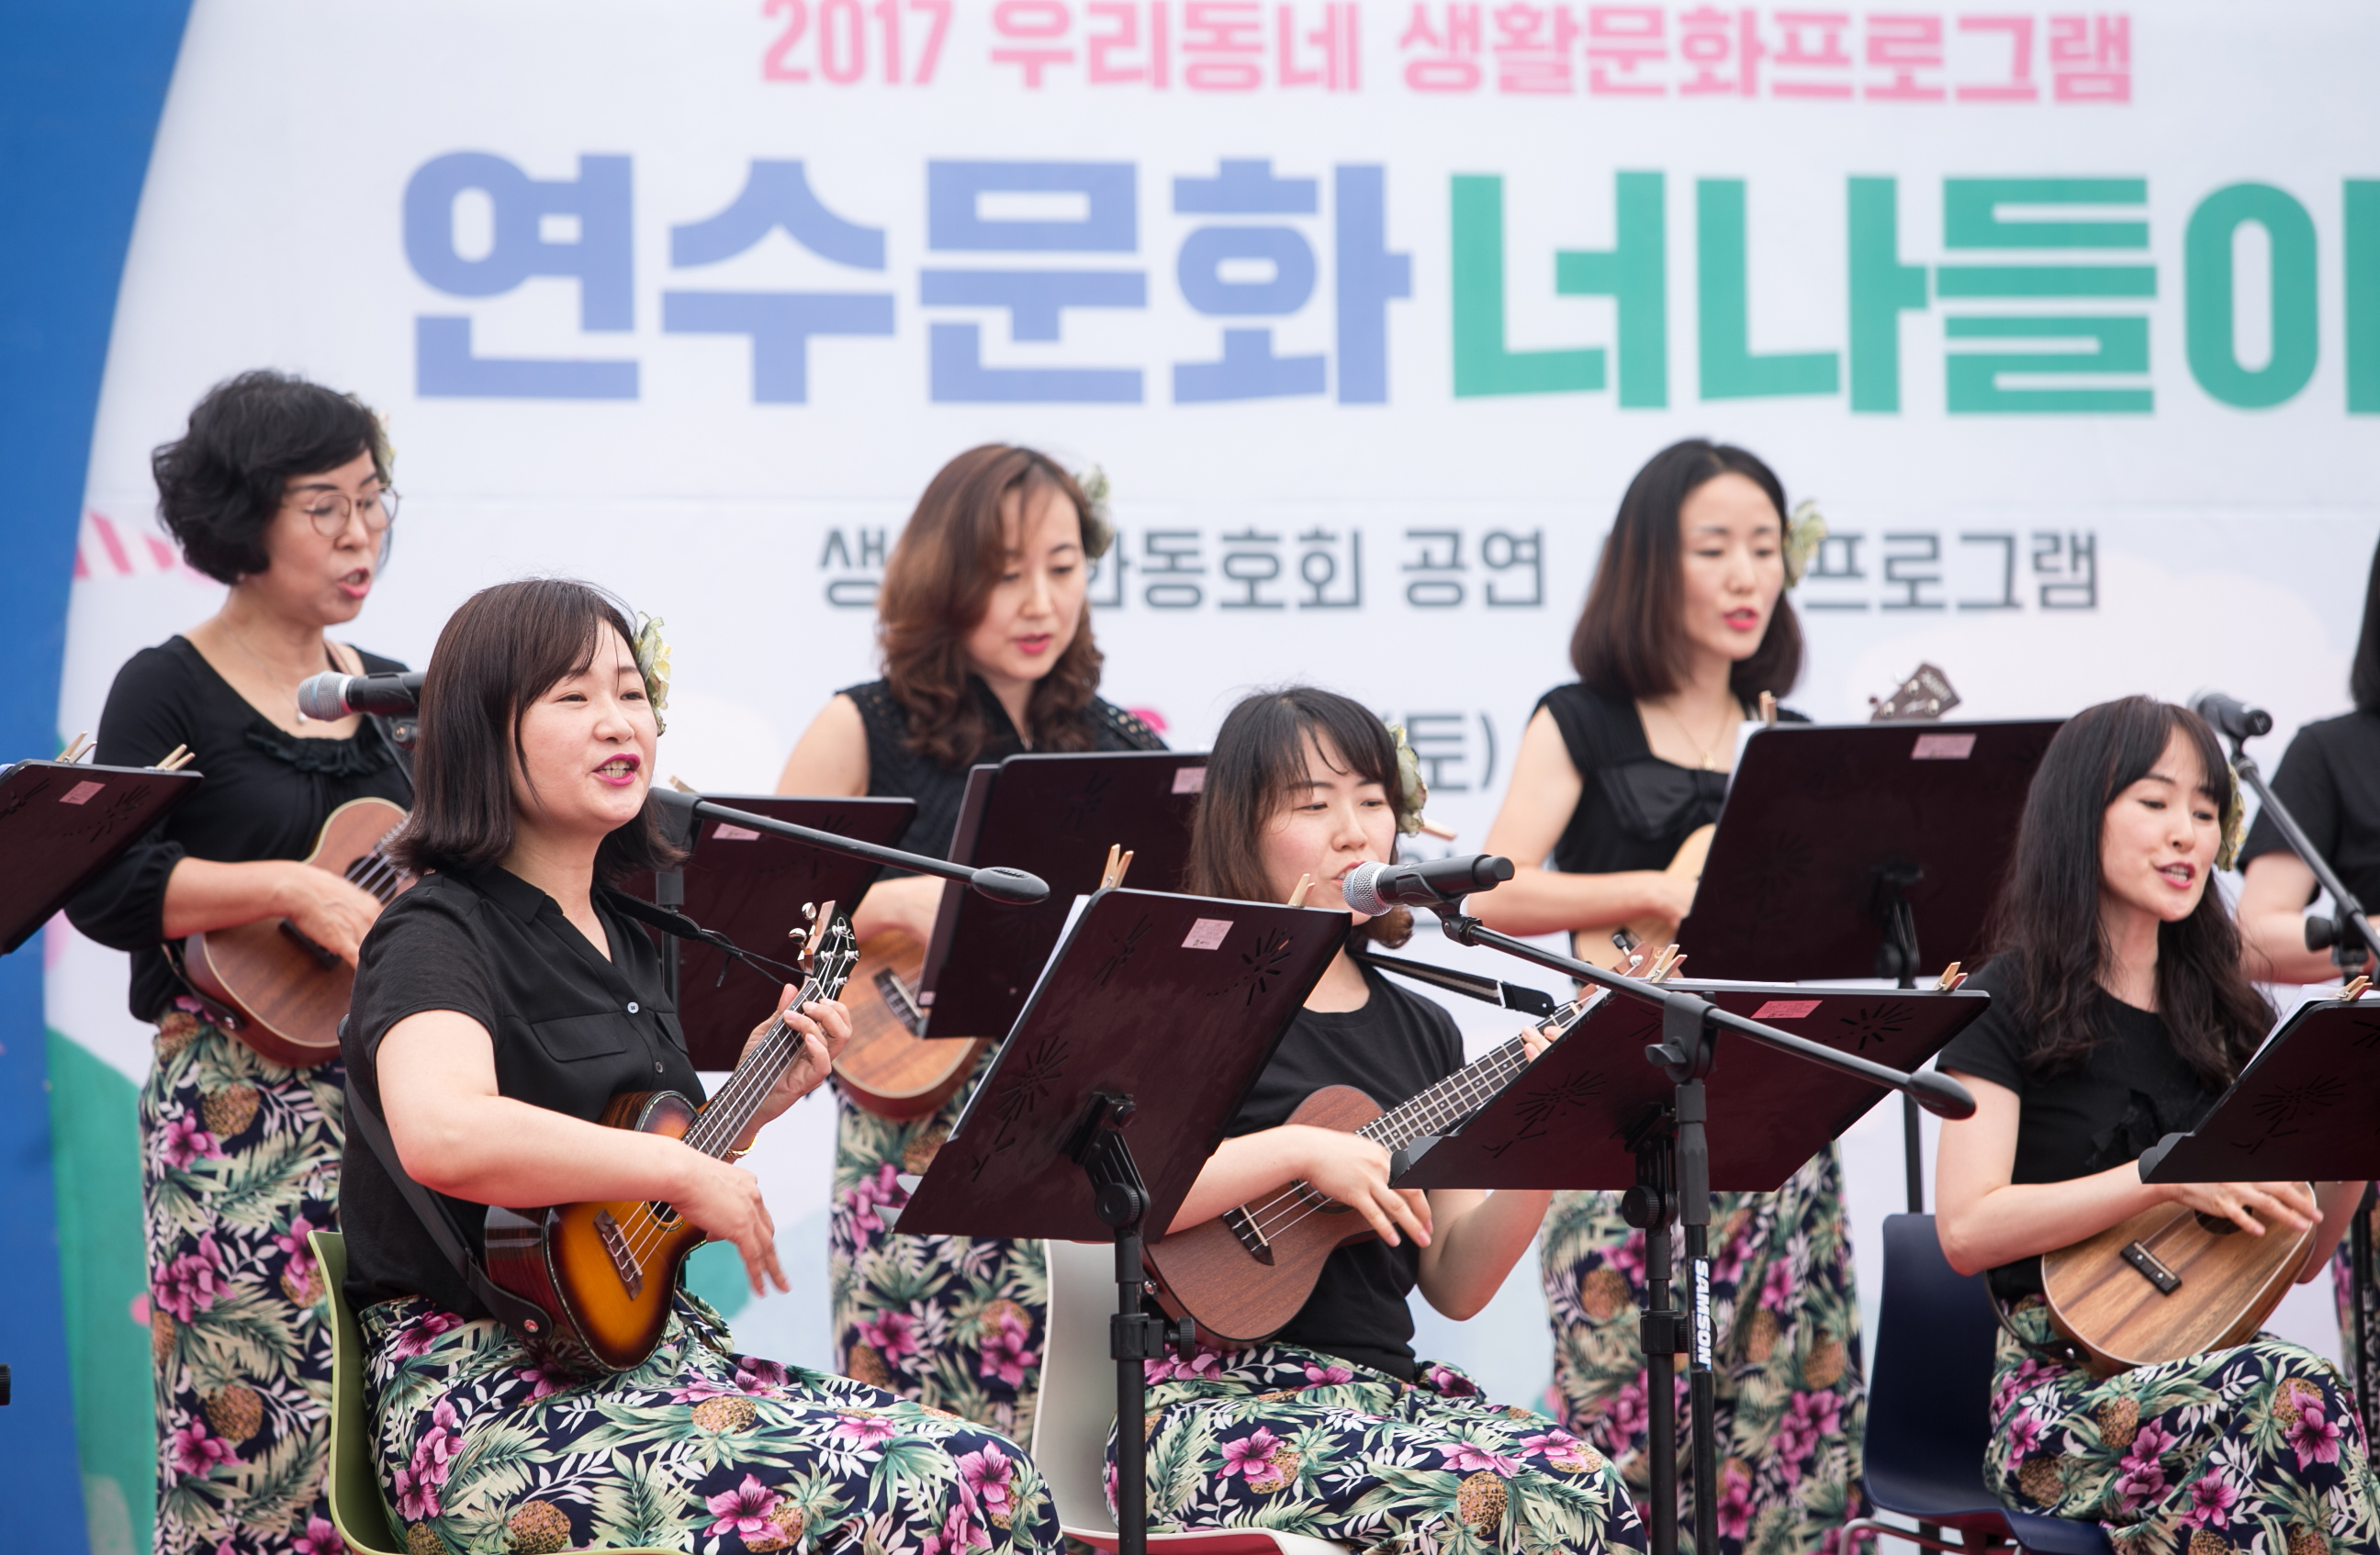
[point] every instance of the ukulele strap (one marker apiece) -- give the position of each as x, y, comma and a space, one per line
2064, 1350
669, 921
526, 1319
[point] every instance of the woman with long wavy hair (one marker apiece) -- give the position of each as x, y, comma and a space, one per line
2120, 1013
984, 628
1685, 625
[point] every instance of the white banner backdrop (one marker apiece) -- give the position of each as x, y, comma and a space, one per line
2070, 322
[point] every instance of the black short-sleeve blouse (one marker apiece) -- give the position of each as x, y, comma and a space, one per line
2330, 779
571, 1032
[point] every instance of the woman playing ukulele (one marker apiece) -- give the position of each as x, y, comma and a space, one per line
2119, 1014
1685, 626
987, 651
279, 489
499, 1007
1331, 1427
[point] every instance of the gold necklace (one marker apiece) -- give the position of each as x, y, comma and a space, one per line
1709, 753
271, 677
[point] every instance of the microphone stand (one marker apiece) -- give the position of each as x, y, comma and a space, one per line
680, 810
2354, 943
1674, 1182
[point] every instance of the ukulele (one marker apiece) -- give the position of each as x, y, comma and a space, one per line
604, 1273
1245, 1273
2167, 1282
278, 991
1925, 695
889, 1067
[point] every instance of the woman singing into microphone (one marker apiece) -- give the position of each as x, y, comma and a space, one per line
1685, 625
986, 634
499, 1007
2120, 1013
279, 489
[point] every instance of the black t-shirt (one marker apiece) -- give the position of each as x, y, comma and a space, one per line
896, 771
265, 794
1634, 809
1394, 1047
2330, 779
2132, 1090
571, 1030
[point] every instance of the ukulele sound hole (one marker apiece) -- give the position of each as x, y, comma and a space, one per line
2216, 1225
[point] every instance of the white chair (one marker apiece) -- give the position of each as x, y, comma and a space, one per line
1077, 1408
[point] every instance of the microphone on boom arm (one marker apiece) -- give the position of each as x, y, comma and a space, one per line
1372, 889
331, 696
2232, 718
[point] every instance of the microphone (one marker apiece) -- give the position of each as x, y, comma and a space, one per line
1013, 886
331, 697
2234, 719
1372, 889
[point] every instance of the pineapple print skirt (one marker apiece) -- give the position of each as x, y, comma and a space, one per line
1280, 1437
2254, 1448
239, 1160
1791, 1400
698, 1449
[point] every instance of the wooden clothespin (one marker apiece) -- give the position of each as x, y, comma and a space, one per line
175, 759
1951, 979
2355, 989
77, 746
1666, 965
1443, 833
1768, 709
1297, 896
682, 786
1119, 861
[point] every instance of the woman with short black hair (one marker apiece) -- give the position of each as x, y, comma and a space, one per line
2119, 1014
1686, 626
279, 489
500, 1007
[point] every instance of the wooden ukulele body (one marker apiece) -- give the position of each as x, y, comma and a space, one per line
2161, 1285
286, 993
887, 1068
1243, 1275
604, 1273
1593, 944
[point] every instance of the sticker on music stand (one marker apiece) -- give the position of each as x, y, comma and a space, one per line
1943, 747
1206, 933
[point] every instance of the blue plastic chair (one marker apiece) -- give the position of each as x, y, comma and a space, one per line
1929, 1408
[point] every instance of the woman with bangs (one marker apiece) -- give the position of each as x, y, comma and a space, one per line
984, 624
1686, 626
2120, 1013
1332, 1428
500, 1005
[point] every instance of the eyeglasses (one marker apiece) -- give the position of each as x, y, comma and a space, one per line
331, 511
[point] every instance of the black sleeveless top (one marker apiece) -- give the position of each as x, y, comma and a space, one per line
897, 771
1635, 810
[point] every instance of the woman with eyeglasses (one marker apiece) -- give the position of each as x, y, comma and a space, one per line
279, 489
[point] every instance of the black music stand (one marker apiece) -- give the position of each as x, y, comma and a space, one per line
748, 887
2301, 1109
1863, 851
63, 822
1673, 1172
1057, 816
1157, 1013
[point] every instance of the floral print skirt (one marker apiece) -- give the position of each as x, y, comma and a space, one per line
1790, 1399
239, 1161
698, 1449
954, 1321
2253, 1448
2342, 1286
1284, 1437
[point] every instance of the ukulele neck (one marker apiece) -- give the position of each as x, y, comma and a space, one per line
1445, 1106
726, 1115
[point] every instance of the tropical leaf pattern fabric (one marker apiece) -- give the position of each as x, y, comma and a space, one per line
2254, 1448
698, 1449
954, 1321
1791, 1400
2342, 1287
239, 1161
1285, 1438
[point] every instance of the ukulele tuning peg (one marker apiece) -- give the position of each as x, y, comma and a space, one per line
809, 912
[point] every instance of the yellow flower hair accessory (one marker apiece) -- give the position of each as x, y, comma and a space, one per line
653, 664
2235, 825
1804, 533
1098, 529
1411, 793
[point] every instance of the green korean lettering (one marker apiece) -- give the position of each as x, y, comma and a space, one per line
1482, 364
1729, 368
1975, 215
2207, 287
1633, 272
1973, 378
2362, 297
1882, 289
